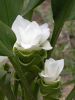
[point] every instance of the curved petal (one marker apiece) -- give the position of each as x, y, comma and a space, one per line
45, 32
60, 64
30, 47
19, 22
46, 45
48, 79
51, 60
3, 60
26, 46
51, 70
49, 67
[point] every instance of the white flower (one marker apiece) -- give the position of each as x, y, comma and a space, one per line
31, 35
52, 70
3, 60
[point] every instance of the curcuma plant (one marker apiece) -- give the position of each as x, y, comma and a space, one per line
27, 70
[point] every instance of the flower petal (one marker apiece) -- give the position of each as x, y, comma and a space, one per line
26, 46
46, 46
47, 79
19, 22
54, 68
45, 32
60, 64
31, 35
3, 60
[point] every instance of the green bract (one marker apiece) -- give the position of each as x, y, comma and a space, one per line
32, 61
50, 91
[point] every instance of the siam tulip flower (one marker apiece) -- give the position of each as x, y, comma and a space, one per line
3, 60
31, 35
52, 70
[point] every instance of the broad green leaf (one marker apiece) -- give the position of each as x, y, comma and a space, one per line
63, 10
27, 13
9, 9
7, 40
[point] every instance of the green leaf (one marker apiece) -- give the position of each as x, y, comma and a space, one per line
9, 9
7, 40
27, 13
5, 86
62, 11
71, 96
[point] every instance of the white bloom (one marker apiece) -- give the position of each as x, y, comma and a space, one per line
31, 35
3, 60
52, 70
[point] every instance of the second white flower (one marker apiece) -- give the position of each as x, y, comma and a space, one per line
52, 70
